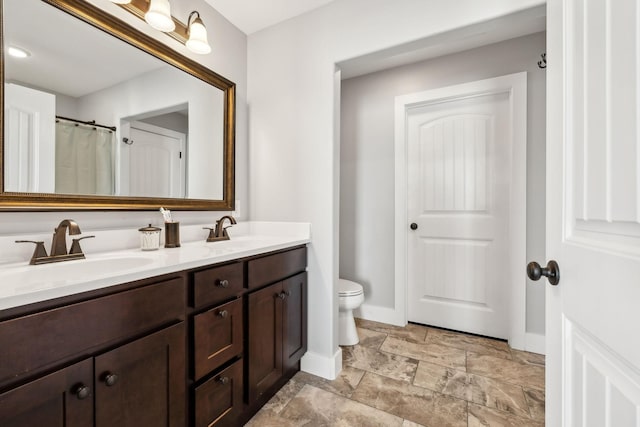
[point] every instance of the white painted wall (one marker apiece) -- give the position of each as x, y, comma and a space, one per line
367, 160
294, 152
140, 95
228, 58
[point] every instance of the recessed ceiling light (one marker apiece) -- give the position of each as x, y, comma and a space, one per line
18, 52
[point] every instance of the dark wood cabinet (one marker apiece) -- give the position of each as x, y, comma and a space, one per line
61, 399
264, 339
294, 321
277, 333
200, 347
142, 383
129, 375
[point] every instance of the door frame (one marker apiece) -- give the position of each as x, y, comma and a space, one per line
516, 86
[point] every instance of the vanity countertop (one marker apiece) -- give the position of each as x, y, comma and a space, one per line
21, 283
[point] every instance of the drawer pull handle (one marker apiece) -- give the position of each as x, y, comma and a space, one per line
223, 283
223, 380
223, 314
110, 379
81, 391
283, 295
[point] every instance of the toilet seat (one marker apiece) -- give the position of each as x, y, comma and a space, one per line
347, 288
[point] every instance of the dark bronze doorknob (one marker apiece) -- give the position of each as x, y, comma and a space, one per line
414, 226
551, 272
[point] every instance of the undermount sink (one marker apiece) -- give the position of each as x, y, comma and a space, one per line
36, 277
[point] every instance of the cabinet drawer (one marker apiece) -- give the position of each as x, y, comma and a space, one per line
214, 285
219, 400
269, 269
63, 333
217, 337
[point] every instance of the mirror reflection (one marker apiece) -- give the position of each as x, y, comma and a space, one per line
88, 114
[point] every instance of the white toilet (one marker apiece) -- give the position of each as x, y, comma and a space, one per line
351, 296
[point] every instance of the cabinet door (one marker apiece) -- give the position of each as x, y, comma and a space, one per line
264, 339
294, 320
63, 398
143, 383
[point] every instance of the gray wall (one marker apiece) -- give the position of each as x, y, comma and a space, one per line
367, 159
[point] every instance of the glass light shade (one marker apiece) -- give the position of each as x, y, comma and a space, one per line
159, 16
198, 42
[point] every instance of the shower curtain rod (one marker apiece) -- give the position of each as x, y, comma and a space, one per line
90, 123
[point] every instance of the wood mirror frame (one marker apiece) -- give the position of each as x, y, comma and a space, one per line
16, 201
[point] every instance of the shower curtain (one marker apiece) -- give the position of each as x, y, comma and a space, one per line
84, 159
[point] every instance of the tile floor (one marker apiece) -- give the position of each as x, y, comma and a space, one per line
416, 376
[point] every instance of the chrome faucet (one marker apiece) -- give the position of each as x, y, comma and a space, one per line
219, 232
59, 245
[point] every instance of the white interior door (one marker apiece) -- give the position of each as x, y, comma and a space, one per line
593, 213
29, 139
461, 249
155, 162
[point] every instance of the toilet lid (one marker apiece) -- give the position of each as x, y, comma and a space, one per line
349, 288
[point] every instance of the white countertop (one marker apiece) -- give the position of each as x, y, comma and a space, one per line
21, 283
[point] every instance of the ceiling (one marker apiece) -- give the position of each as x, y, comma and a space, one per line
254, 15
76, 65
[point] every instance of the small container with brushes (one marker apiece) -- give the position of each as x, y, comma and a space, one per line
171, 230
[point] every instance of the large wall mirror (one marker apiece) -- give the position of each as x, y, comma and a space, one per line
97, 115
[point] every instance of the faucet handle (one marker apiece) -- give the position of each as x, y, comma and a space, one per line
75, 245
212, 233
39, 252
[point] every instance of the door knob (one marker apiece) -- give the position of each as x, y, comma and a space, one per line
551, 272
414, 226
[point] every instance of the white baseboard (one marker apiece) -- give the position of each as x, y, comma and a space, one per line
322, 366
380, 314
535, 343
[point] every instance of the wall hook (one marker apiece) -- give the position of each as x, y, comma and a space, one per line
127, 141
543, 62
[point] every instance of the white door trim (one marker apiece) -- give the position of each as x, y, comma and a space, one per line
516, 86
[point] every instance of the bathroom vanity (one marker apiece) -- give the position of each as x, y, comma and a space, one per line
205, 343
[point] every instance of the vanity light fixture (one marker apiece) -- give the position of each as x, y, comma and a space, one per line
17, 52
157, 13
159, 16
197, 32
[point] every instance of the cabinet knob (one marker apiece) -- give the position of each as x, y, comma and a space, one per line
223, 283
282, 295
223, 313
81, 391
110, 379
223, 380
